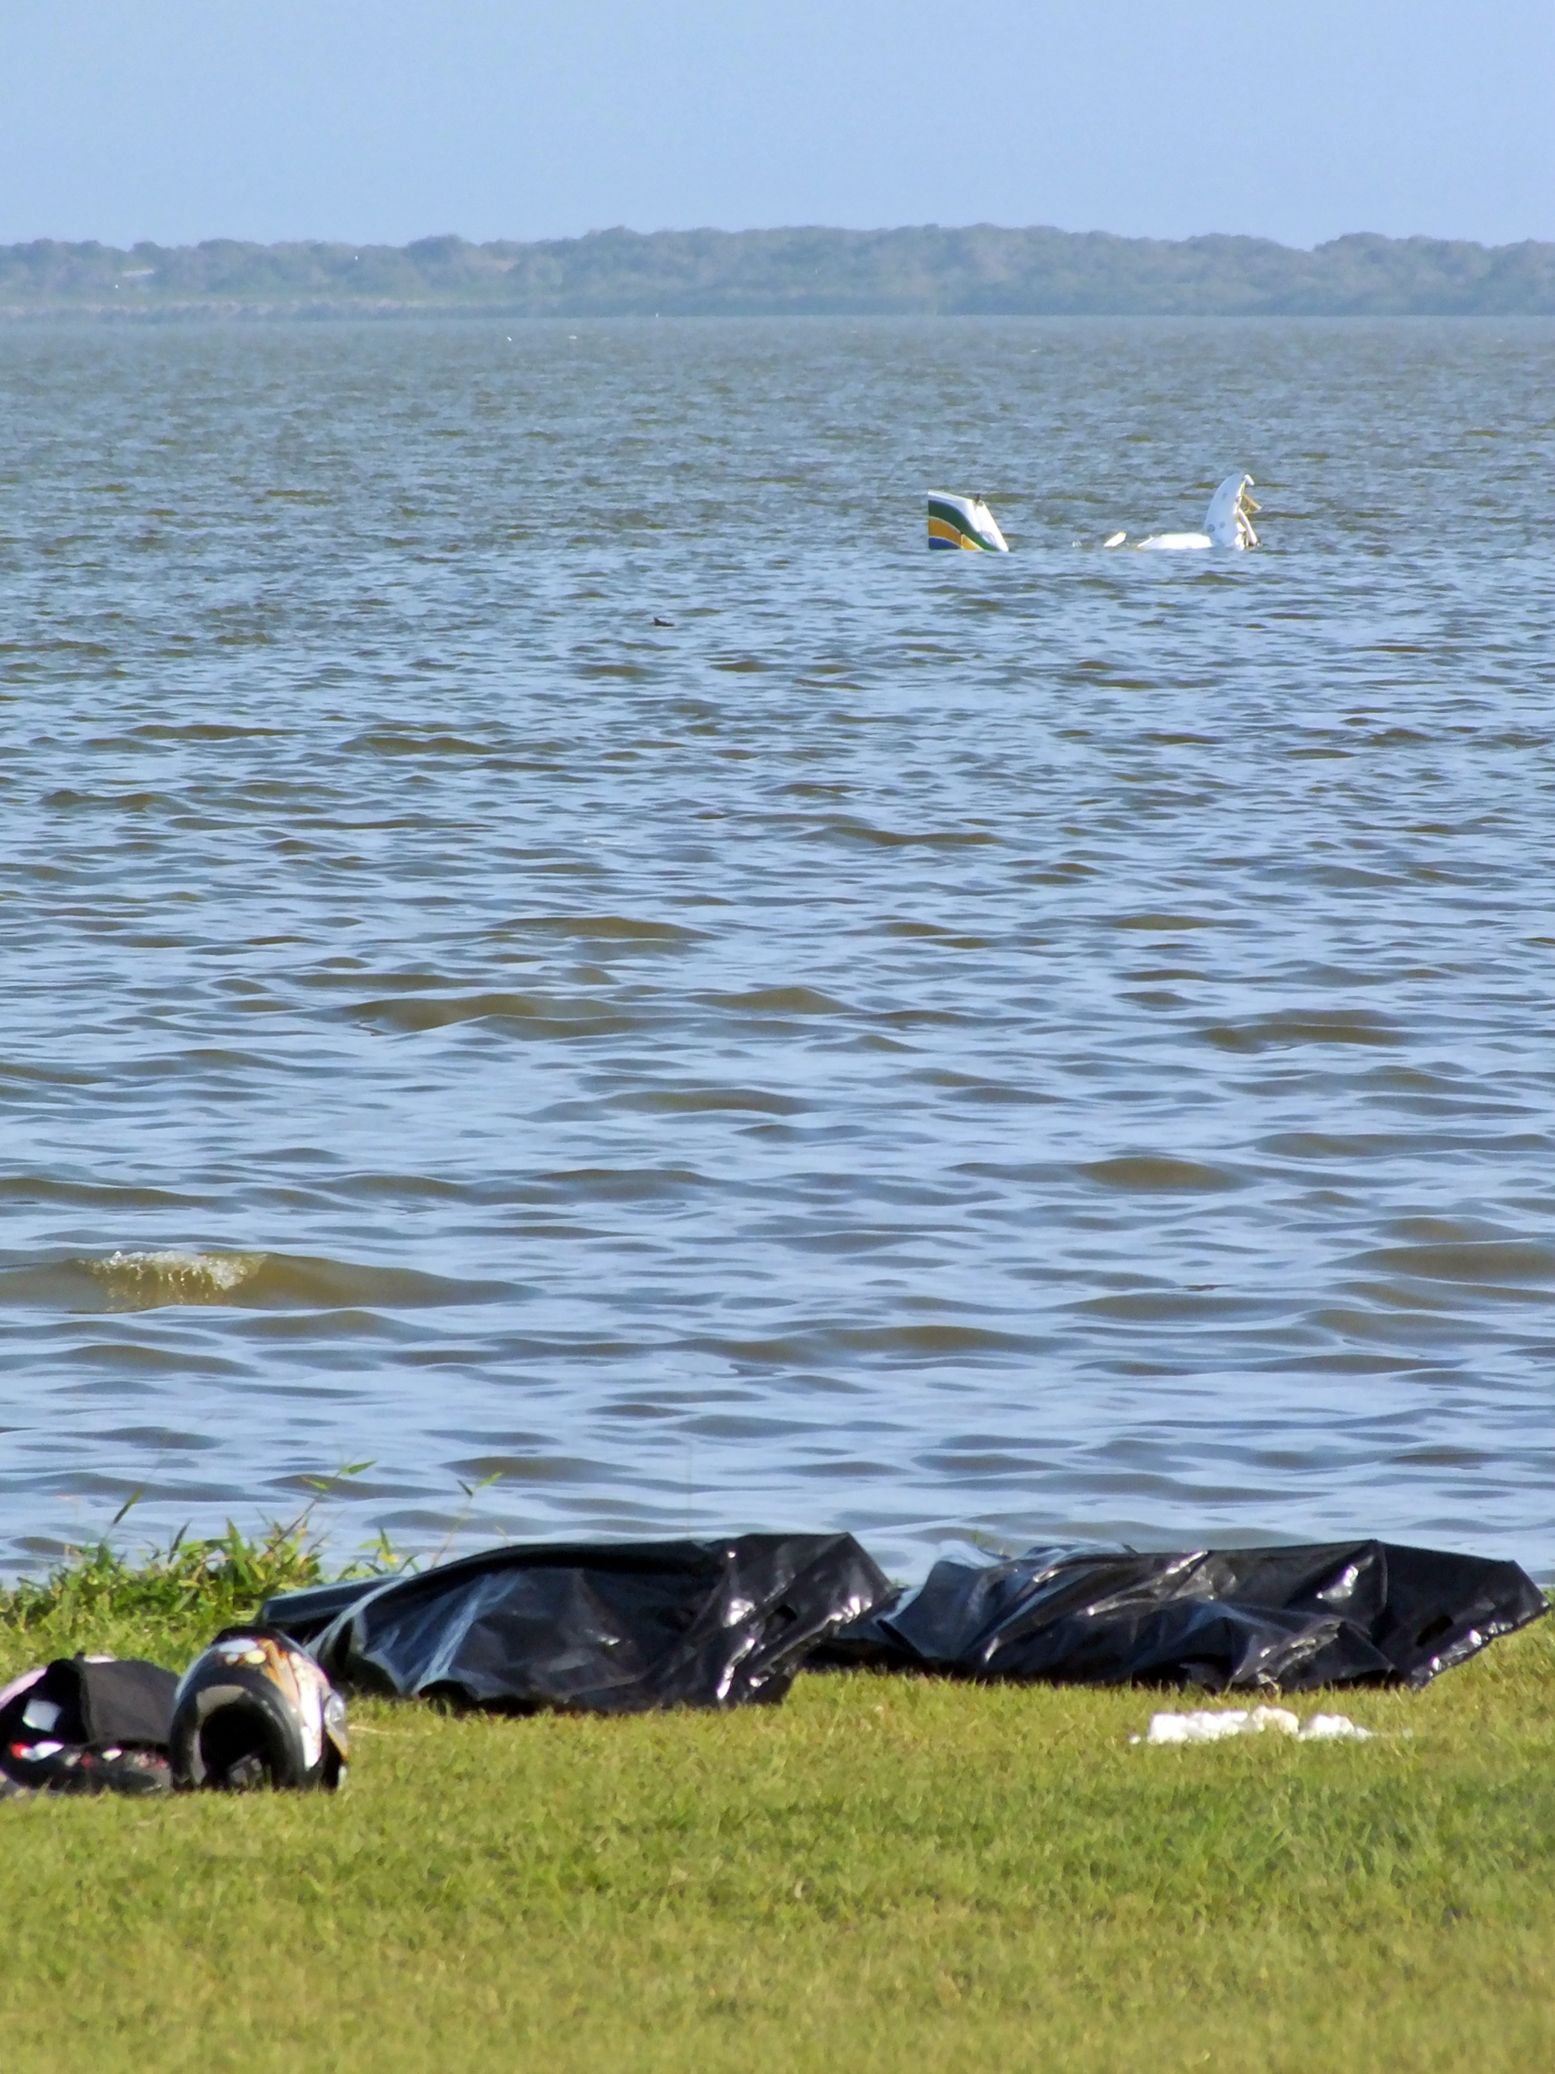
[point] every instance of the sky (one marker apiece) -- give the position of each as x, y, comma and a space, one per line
380, 121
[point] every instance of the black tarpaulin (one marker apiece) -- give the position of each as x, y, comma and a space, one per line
1367, 1612
600, 1628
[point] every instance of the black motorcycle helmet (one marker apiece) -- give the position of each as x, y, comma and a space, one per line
255, 1710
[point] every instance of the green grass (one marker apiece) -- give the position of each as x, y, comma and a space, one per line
880, 1874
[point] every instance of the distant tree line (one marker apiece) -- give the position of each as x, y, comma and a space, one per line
981, 271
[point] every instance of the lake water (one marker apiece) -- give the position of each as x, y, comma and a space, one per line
549, 946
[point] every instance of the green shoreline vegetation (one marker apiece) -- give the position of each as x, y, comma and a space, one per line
982, 270
881, 1872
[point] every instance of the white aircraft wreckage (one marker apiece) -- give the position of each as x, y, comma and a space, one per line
964, 522
1227, 523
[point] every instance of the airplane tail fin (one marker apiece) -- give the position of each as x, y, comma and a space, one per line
964, 522
1228, 521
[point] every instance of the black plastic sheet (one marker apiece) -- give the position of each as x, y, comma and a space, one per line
598, 1628
1357, 1612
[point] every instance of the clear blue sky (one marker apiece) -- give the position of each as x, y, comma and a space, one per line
386, 120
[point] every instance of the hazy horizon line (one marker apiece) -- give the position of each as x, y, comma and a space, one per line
704, 230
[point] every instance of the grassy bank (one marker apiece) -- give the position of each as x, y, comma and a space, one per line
878, 1874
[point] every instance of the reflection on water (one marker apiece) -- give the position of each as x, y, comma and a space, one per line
548, 943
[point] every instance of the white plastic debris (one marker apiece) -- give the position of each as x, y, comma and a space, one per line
1216, 1724
1334, 1728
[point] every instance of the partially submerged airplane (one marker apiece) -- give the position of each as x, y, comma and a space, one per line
966, 522
1227, 523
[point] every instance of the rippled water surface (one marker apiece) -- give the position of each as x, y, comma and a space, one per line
551, 946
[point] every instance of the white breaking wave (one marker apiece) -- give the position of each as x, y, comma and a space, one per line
172, 1275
